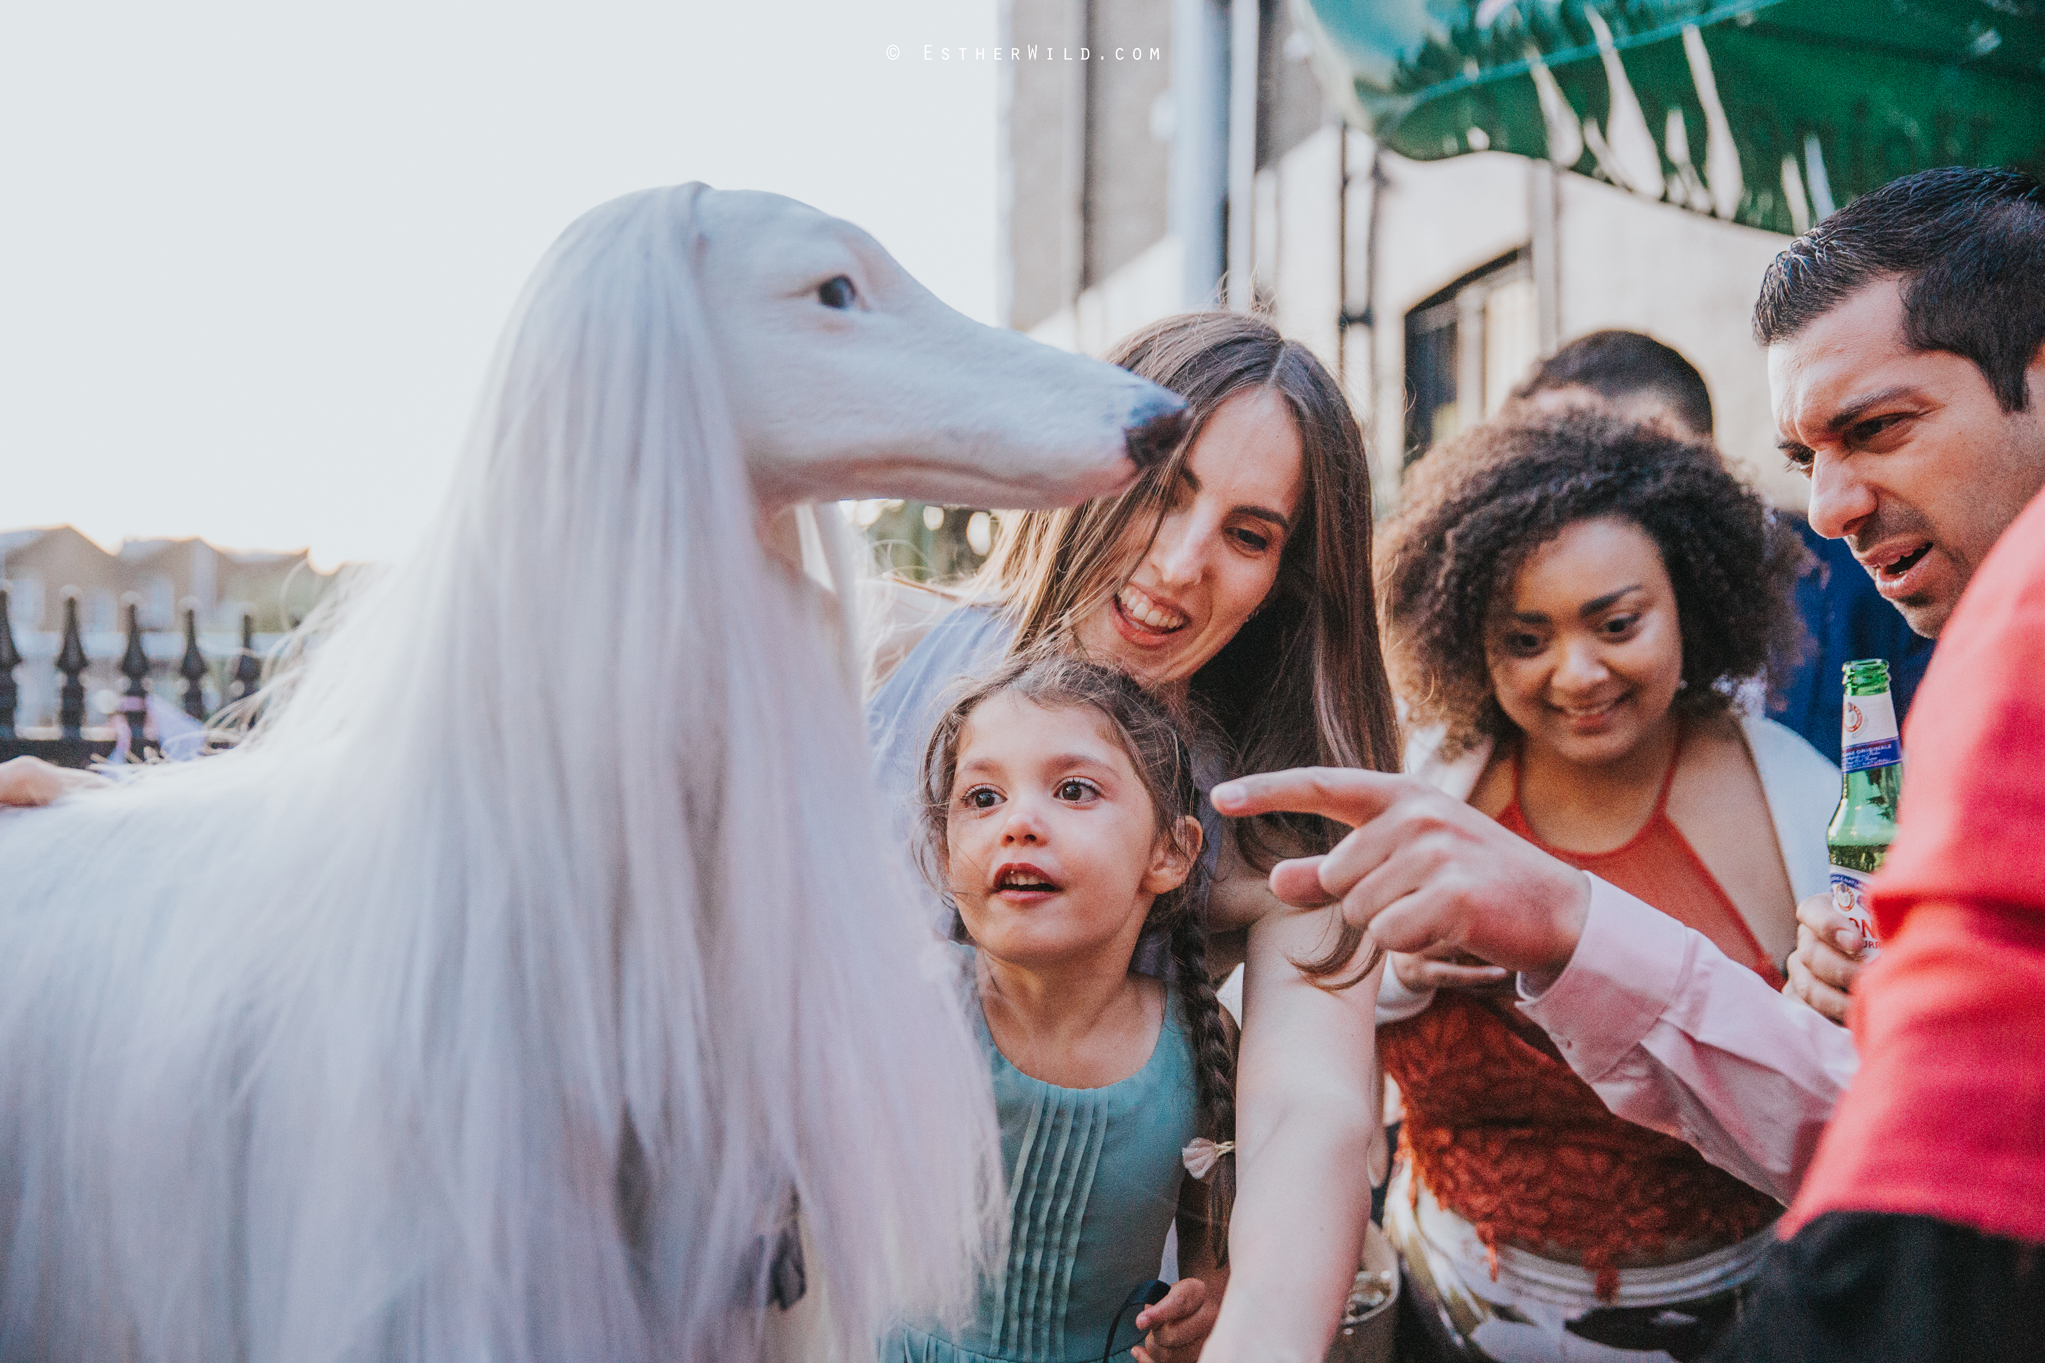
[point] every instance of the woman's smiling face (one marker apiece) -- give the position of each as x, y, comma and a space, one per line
1587, 656
1216, 553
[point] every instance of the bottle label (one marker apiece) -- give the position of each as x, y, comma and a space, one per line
1867, 733
1849, 896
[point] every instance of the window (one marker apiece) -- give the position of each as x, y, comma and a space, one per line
1465, 349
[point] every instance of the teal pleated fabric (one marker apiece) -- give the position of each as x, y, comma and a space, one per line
1093, 1184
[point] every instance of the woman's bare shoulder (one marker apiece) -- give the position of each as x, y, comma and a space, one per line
1718, 803
1717, 780
1717, 744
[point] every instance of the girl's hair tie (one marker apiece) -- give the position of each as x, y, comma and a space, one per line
1202, 1155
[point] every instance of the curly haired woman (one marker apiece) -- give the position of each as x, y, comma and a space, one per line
1574, 601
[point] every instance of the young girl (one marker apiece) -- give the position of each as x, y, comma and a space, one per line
1060, 819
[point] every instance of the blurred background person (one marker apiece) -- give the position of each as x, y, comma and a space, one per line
1573, 600
1635, 373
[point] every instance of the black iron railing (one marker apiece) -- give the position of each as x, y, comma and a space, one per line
71, 743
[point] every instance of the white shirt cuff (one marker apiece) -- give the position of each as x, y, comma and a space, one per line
1396, 1002
1623, 976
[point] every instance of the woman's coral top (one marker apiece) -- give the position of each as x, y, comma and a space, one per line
1504, 1133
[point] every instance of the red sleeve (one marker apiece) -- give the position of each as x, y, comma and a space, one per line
1947, 1115
1973, 821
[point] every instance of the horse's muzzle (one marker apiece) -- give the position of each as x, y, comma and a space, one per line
1155, 428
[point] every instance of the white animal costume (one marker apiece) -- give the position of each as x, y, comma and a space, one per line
543, 949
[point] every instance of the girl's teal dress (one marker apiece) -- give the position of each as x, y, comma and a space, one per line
1093, 1184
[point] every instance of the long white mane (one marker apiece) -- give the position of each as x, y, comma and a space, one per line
544, 947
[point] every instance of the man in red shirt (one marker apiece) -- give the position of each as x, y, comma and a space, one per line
1907, 361
1906, 340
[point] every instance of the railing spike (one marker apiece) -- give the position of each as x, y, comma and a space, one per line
192, 667
72, 662
10, 658
135, 667
248, 668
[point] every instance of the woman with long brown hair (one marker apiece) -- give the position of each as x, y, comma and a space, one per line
1233, 580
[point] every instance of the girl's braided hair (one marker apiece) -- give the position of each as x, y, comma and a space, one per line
1479, 506
1157, 749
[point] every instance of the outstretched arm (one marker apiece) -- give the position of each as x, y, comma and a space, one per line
1421, 871
1671, 1033
28, 781
1306, 1128
1677, 1037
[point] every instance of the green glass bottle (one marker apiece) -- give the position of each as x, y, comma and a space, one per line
1871, 780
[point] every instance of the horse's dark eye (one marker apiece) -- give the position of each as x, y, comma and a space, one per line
836, 293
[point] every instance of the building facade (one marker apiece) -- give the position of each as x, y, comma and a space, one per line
1224, 175
40, 568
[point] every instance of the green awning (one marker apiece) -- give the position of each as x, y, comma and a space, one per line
1771, 112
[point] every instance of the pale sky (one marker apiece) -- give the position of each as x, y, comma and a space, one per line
255, 255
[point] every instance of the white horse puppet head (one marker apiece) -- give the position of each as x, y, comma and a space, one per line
543, 949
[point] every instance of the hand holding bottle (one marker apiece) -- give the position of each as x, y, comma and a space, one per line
1830, 952
1870, 787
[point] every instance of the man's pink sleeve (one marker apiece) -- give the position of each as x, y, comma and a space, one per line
1677, 1037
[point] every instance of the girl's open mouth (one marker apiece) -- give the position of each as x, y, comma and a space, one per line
1023, 879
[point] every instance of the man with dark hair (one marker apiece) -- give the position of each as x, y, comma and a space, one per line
1906, 342
1906, 354
1635, 373
1965, 247
1910, 319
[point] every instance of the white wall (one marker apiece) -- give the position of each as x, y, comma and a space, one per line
1621, 261
1306, 264
1436, 221
1146, 289
1688, 281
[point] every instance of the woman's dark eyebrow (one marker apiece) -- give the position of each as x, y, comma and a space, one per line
1599, 603
1585, 612
1262, 513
